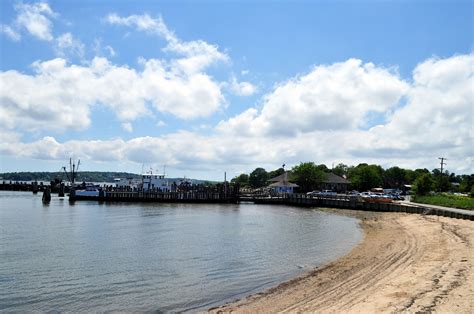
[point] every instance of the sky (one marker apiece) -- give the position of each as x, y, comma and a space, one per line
205, 88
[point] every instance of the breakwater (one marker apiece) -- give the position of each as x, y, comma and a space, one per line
357, 203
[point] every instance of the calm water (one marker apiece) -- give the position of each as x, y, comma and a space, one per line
155, 257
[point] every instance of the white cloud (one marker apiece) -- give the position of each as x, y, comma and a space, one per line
66, 44
330, 97
142, 23
438, 116
127, 126
435, 119
41, 101
241, 88
179, 87
35, 18
111, 51
10, 32
103, 51
197, 54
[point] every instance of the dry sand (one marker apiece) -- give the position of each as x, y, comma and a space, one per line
406, 263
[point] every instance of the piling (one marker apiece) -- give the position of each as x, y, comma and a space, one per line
46, 196
61, 190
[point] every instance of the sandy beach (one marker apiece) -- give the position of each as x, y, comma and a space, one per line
406, 263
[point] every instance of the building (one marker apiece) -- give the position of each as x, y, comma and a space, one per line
332, 182
282, 185
335, 183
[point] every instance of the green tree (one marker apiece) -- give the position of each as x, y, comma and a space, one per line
276, 173
423, 184
340, 170
441, 180
442, 184
412, 175
258, 178
242, 179
394, 177
467, 182
308, 176
364, 177
323, 167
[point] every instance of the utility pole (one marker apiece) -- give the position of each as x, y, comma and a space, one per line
442, 163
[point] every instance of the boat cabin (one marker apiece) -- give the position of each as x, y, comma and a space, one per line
155, 182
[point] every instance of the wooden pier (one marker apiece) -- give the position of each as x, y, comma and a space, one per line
228, 193
162, 197
219, 193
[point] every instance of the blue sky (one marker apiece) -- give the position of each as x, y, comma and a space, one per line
206, 86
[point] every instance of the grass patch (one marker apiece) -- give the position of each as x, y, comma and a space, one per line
447, 200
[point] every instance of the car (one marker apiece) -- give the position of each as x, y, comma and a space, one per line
327, 192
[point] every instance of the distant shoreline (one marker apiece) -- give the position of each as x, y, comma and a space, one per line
405, 263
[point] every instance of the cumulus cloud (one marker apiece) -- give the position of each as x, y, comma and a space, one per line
434, 120
59, 96
330, 97
438, 116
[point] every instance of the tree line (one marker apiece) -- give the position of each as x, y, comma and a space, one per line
88, 176
363, 177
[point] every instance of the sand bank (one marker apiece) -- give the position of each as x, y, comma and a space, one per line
406, 262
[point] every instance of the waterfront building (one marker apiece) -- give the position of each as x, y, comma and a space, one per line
332, 182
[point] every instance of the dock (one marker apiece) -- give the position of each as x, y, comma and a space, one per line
218, 193
230, 194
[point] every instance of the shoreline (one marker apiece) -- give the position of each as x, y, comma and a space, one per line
406, 262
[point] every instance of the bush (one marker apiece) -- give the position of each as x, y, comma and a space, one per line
423, 184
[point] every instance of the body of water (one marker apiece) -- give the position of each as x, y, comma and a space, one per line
155, 257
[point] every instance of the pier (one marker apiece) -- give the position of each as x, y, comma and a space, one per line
162, 197
184, 193
229, 193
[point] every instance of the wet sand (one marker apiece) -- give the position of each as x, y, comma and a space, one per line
406, 263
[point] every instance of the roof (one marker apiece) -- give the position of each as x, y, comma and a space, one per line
335, 179
331, 178
284, 184
288, 176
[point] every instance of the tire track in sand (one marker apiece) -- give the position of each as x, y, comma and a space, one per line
406, 262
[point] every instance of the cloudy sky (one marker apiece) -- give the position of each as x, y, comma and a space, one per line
205, 87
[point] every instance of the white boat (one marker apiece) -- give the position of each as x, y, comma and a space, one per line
152, 181
89, 190
127, 182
